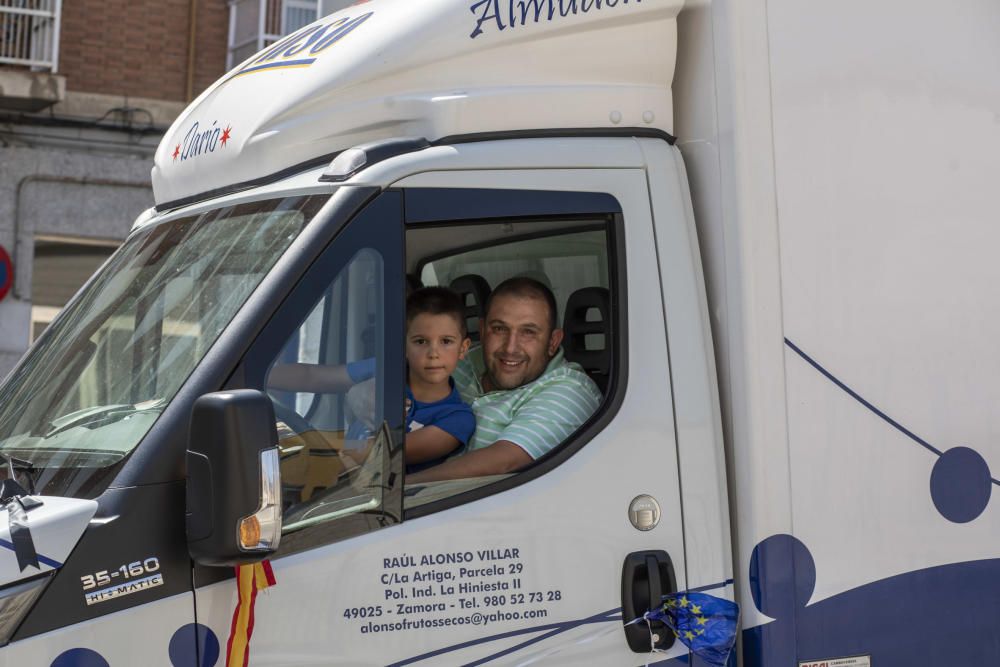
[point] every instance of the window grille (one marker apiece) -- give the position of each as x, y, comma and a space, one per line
29, 33
256, 24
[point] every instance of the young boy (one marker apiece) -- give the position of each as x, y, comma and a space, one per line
437, 421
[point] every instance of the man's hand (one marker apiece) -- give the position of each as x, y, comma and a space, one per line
502, 457
361, 403
352, 458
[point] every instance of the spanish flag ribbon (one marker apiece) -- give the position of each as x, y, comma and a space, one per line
249, 580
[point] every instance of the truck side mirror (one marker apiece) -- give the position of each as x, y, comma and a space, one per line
233, 479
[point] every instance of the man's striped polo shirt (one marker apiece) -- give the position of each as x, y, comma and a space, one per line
536, 416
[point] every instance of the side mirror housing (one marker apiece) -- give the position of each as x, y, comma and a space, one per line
233, 479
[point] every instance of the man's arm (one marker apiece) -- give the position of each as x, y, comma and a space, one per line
311, 378
429, 443
542, 423
503, 456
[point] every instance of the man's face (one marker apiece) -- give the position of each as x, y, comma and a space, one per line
517, 341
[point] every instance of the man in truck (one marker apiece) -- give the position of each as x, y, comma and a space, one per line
526, 397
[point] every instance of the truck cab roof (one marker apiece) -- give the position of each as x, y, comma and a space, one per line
434, 69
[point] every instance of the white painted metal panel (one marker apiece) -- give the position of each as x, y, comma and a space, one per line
432, 69
570, 526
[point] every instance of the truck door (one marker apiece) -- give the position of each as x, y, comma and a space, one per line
503, 569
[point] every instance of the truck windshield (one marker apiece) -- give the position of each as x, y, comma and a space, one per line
107, 367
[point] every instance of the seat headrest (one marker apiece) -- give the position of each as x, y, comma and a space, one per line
473, 290
587, 325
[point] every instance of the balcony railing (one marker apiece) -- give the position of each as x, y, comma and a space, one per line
29, 33
254, 24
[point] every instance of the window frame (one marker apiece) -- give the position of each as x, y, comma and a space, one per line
593, 226
593, 211
456, 207
369, 229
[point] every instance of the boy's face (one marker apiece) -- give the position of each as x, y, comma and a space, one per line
434, 345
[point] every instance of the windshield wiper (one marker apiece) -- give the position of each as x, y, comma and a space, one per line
103, 416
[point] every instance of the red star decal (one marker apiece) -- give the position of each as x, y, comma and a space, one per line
225, 135
177, 151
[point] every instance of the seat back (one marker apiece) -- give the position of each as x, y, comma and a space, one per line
587, 325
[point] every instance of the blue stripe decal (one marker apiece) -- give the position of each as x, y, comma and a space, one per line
856, 396
41, 559
943, 615
504, 635
550, 630
711, 587
277, 65
679, 660
601, 618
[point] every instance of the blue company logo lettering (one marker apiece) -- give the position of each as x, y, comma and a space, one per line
514, 13
301, 48
200, 140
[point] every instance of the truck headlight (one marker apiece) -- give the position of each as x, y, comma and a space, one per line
16, 601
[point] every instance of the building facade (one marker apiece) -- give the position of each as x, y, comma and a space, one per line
87, 89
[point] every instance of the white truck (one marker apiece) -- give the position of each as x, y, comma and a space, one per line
769, 229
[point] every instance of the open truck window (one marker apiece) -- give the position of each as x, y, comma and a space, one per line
331, 359
569, 256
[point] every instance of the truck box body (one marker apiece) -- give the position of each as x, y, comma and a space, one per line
779, 213
839, 155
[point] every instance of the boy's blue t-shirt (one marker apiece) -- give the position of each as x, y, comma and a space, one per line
450, 414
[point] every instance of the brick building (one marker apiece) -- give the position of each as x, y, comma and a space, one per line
87, 89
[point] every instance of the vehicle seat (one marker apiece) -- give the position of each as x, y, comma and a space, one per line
473, 290
587, 325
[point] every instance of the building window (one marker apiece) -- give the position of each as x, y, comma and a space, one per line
29, 33
60, 268
256, 24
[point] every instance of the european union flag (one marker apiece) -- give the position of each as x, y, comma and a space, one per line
704, 623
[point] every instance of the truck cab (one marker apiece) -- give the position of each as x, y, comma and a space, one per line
397, 144
296, 199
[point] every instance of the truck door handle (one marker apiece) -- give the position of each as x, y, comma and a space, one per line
646, 577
